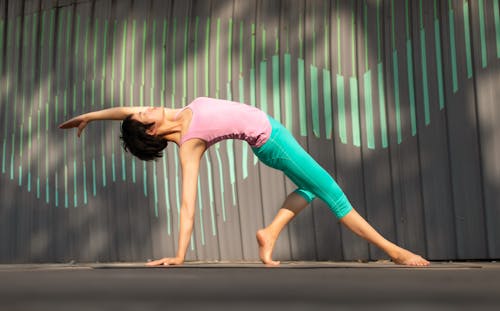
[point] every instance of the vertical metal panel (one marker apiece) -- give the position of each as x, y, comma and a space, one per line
432, 134
348, 153
463, 140
403, 143
267, 47
319, 145
301, 229
215, 231
486, 83
375, 152
249, 195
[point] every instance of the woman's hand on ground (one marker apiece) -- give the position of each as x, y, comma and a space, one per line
166, 262
80, 122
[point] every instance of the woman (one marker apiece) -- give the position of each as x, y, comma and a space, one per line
146, 132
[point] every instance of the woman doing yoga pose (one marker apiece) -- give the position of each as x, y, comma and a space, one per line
147, 130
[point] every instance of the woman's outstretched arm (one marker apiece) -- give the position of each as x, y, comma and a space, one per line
117, 113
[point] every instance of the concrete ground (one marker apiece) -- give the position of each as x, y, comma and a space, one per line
250, 286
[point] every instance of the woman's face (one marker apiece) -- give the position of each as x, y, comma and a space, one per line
153, 115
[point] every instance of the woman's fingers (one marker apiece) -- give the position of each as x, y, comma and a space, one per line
78, 122
165, 262
156, 262
82, 125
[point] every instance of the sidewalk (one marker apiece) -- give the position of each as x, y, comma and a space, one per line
250, 286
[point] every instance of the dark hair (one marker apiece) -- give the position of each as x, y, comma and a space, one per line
141, 144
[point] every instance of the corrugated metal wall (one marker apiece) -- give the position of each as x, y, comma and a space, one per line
397, 99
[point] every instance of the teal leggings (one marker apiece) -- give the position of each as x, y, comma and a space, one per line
281, 151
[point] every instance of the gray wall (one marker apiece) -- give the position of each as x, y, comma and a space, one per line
397, 99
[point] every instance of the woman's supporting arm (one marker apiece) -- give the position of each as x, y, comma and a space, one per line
117, 113
190, 155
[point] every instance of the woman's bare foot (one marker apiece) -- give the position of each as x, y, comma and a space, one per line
407, 258
266, 245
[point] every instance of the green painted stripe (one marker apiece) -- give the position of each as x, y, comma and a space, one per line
153, 67
20, 178
56, 189
132, 70
113, 54
229, 57
263, 86
75, 185
263, 42
314, 100
424, 77
341, 107
439, 63
496, 13
210, 185
167, 197
124, 166
124, 49
241, 90
221, 180
370, 134
184, 64
155, 188
177, 183
66, 197
207, 53
484, 56
195, 59
327, 100
200, 209
232, 168
276, 87
12, 158
94, 186
288, 92
143, 62
396, 94
253, 46
30, 151
113, 165
253, 92
468, 52
172, 90
229, 94
85, 198
241, 50
411, 87
3, 155
302, 97
244, 159
353, 87
163, 63
453, 51
38, 191
217, 61
381, 102
103, 164
134, 177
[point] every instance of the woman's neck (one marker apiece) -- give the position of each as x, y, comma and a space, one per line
175, 123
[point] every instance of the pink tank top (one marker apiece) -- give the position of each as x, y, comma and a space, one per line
214, 120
